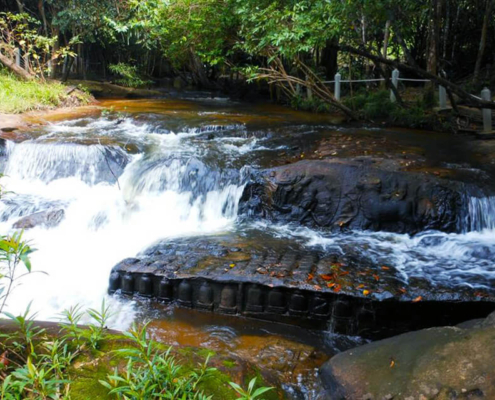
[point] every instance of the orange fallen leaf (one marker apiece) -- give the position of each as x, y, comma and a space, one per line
326, 277
232, 265
392, 363
317, 287
385, 268
344, 273
330, 285
402, 290
337, 288
310, 277
360, 286
366, 292
377, 278
419, 298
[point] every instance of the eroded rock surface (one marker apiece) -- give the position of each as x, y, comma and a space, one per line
439, 363
48, 219
273, 278
352, 194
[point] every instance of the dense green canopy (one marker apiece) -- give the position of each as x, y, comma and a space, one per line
205, 40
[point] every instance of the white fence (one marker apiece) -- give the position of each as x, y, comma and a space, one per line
442, 93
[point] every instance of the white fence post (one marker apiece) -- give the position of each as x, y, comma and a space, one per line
26, 62
395, 82
487, 113
337, 86
17, 54
442, 97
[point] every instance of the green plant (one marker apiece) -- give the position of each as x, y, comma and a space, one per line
151, 373
250, 393
97, 331
129, 74
13, 252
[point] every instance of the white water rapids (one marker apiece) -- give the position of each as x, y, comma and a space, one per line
103, 223
169, 188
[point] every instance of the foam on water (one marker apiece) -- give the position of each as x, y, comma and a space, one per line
105, 221
452, 259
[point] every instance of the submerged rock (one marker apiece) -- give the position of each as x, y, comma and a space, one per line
48, 219
439, 363
353, 194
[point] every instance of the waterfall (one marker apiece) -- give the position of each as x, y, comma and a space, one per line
49, 161
115, 206
481, 213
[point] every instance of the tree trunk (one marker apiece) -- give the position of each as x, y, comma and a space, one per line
386, 36
55, 49
20, 6
484, 31
10, 64
329, 58
41, 10
433, 37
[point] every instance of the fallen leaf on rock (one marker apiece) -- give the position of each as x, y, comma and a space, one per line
326, 277
377, 278
360, 286
330, 285
232, 265
385, 268
366, 292
310, 277
317, 287
392, 363
419, 298
337, 288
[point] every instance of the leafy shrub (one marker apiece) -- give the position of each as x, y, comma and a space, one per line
129, 74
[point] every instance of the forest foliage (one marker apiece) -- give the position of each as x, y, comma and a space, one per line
292, 44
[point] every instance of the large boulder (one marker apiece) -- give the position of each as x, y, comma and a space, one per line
353, 194
437, 363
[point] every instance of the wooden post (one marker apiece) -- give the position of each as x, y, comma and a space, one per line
442, 97
487, 113
395, 82
337, 86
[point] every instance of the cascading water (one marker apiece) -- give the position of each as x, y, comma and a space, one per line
115, 206
127, 182
482, 213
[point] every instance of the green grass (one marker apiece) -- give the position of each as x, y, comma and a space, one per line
17, 96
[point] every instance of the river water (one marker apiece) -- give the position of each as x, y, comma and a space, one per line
148, 171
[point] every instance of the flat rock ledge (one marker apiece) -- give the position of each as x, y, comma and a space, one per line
271, 278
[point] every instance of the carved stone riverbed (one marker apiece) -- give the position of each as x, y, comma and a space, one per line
227, 211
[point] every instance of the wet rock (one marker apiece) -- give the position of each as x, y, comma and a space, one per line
264, 277
47, 219
438, 363
354, 194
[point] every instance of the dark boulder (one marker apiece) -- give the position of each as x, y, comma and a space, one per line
439, 363
355, 195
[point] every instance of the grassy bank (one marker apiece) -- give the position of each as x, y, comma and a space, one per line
17, 96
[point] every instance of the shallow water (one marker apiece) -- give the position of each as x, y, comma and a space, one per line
151, 170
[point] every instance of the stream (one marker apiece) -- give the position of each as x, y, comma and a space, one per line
149, 171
